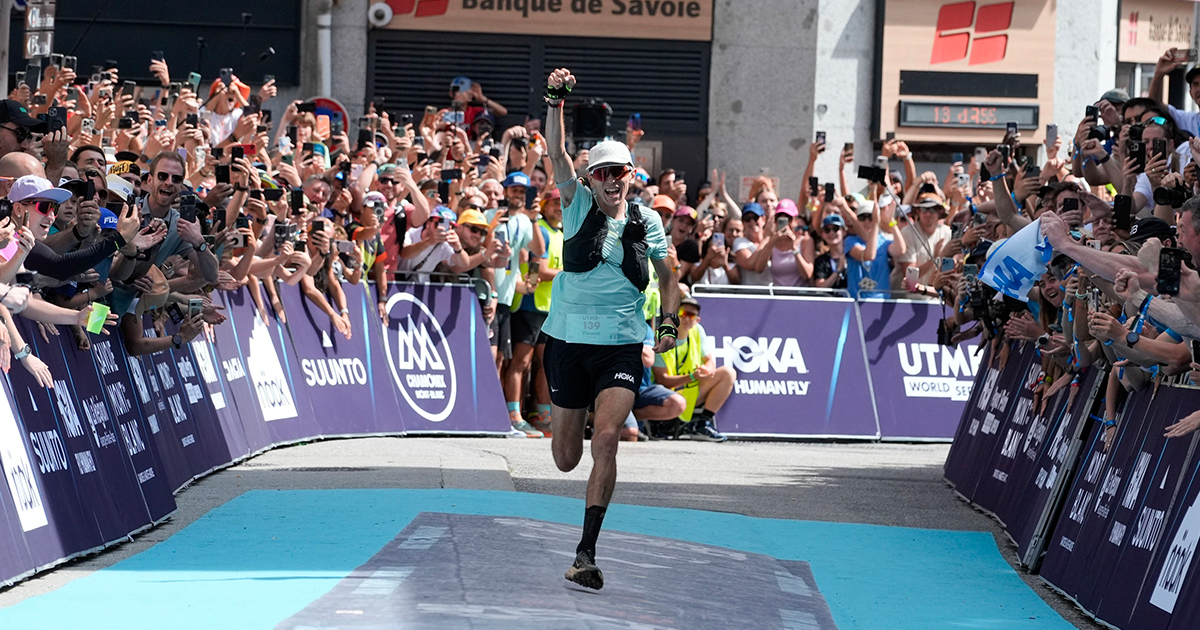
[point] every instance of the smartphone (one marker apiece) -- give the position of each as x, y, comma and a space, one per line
1091, 111
344, 247
1195, 347
56, 60
226, 76
718, 239
872, 174
25, 278
1122, 212
814, 186
635, 122
1033, 170
237, 151
20, 77
33, 76
891, 135
406, 120
956, 158
912, 275
195, 307
222, 173
1005, 152
1137, 151
308, 147
829, 192
70, 61
1051, 134
296, 201
218, 152
450, 174
192, 120
1069, 204
970, 271
1010, 128
125, 123
291, 134
267, 78
242, 221
1186, 54
946, 265
272, 194
174, 312
1169, 260
187, 211
307, 107
820, 138
157, 55
1158, 147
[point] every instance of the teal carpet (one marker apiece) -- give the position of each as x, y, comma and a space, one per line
262, 557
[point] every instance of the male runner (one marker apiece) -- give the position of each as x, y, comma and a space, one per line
596, 326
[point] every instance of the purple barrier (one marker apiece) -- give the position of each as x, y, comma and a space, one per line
435, 346
920, 387
800, 364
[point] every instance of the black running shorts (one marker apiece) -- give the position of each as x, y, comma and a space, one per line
578, 372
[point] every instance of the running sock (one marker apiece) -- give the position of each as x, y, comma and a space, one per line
593, 517
514, 412
543, 412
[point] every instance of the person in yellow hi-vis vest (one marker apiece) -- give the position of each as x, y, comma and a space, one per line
551, 226
690, 369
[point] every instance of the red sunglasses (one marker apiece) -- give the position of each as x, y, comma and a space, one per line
605, 173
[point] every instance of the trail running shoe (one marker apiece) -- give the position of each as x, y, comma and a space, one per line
585, 572
542, 425
524, 427
704, 430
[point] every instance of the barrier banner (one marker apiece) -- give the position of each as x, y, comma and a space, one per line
436, 348
1056, 433
921, 388
345, 393
970, 459
1172, 585
1091, 506
800, 365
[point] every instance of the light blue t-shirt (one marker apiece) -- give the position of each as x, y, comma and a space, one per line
878, 270
601, 306
518, 232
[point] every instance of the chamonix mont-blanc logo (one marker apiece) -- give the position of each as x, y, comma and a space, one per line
419, 357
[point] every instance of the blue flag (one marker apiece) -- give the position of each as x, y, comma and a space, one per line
1018, 262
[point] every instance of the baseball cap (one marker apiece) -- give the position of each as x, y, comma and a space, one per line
1117, 96
14, 111
516, 179
386, 169
1191, 74
34, 188
119, 187
1151, 227
833, 219
125, 156
552, 194
865, 208
374, 197
787, 207
120, 168
471, 216
485, 115
609, 153
686, 211
108, 219
753, 208
689, 301
981, 248
928, 200
663, 201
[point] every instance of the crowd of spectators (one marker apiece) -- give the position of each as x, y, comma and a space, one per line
124, 201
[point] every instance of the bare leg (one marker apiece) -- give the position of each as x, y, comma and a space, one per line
715, 389
612, 407
515, 371
567, 440
541, 389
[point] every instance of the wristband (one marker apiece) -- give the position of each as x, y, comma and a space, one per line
665, 330
1102, 160
892, 224
692, 377
995, 177
557, 93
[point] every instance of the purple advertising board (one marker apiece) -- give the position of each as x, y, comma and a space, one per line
436, 349
921, 388
800, 365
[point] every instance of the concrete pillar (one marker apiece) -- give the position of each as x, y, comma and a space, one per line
349, 44
1085, 59
764, 57
842, 95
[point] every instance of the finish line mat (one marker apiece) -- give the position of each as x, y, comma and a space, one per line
359, 559
459, 571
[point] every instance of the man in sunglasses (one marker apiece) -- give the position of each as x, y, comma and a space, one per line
596, 325
18, 126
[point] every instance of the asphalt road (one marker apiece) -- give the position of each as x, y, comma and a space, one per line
880, 484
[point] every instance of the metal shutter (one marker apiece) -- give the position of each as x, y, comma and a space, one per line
667, 82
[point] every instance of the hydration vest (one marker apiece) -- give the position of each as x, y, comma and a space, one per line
584, 251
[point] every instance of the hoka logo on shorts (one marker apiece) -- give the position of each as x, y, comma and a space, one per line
921, 362
419, 356
764, 355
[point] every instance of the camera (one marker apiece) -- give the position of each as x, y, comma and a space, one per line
1174, 196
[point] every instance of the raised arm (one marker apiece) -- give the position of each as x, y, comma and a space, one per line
560, 83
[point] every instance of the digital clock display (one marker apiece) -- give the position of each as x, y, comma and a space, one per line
967, 115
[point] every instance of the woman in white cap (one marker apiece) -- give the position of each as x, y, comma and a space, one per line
596, 325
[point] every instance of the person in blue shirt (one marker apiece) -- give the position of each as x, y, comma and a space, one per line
869, 252
596, 323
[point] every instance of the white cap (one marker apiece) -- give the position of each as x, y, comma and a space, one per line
609, 153
119, 186
34, 188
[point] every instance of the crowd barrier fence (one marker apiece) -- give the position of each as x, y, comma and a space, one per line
1113, 526
101, 455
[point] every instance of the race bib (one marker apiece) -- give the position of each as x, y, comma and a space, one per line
594, 325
